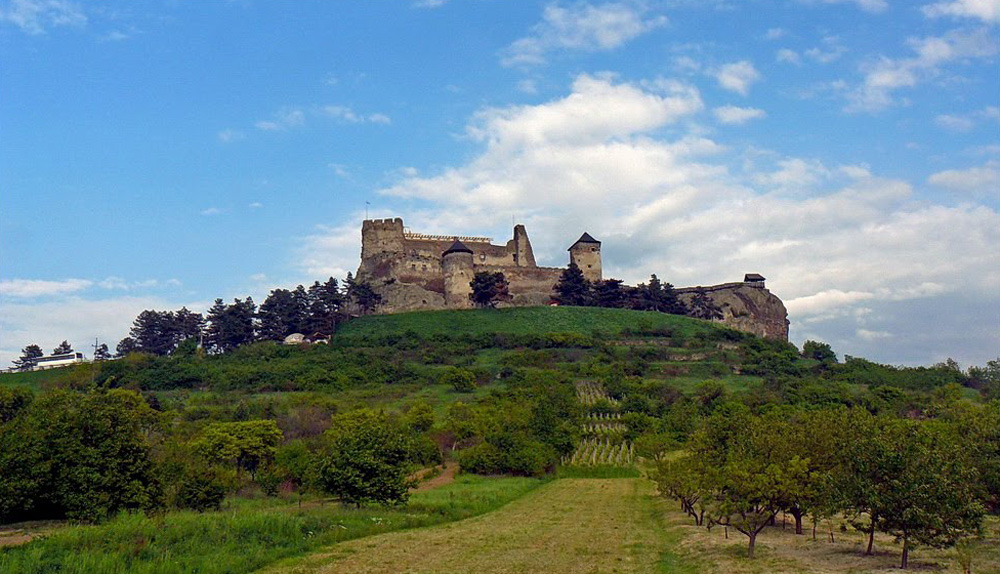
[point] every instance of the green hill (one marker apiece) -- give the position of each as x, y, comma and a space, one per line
527, 321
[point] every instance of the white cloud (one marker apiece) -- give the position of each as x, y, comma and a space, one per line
581, 26
775, 33
256, 205
789, 56
25, 288
283, 120
737, 77
830, 51
884, 76
429, 3
986, 10
230, 136
841, 246
527, 86
339, 169
868, 335
965, 123
954, 123
736, 115
873, 6
346, 114
210, 211
36, 16
983, 180
48, 323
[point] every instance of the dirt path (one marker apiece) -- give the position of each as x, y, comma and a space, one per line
447, 475
568, 526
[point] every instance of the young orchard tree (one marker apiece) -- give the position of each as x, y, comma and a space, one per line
246, 445
488, 289
365, 460
934, 501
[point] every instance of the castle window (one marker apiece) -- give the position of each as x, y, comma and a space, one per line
424, 267
482, 257
414, 266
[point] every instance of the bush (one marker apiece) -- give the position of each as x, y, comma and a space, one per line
462, 380
201, 488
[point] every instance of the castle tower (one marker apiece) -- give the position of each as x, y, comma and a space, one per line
523, 255
586, 253
458, 274
381, 236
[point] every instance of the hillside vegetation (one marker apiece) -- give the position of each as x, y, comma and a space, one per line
253, 433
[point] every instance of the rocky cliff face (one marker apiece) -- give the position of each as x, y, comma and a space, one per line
746, 308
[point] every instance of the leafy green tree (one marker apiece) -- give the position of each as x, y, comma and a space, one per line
818, 351
572, 287
29, 357
13, 401
246, 445
420, 417
125, 346
365, 459
462, 380
488, 289
933, 499
88, 454
63, 348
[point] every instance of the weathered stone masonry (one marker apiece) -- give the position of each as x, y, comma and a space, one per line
414, 271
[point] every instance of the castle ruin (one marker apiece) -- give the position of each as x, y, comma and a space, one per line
414, 271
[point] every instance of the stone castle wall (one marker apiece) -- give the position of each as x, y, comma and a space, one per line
410, 273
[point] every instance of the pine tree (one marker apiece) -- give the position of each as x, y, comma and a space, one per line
63, 348
488, 289
29, 357
572, 288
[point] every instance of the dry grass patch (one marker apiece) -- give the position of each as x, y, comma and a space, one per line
781, 551
571, 526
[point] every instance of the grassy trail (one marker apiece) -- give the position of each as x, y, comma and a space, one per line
568, 526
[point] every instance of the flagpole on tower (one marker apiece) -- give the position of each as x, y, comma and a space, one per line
367, 203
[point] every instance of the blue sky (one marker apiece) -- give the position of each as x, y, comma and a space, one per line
159, 154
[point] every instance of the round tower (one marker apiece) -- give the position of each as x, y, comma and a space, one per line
458, 274
586, 253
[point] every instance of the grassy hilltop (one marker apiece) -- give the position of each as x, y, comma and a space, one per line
595, 398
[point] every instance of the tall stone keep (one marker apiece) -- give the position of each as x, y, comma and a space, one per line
586, 254
457, 263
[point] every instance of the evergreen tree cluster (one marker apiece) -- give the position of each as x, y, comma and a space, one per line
313, 311
574, 289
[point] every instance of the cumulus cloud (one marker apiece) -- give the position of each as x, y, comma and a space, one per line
843, 247
283, 120
230, 136
734, 115
983, 180
581, 26
873, 6
883, 76
41, 288
986, 10
346, 114
37, 16
737, 77
788, 56
968, 122
47, 323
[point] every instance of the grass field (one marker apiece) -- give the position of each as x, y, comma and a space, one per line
568, 526
524, 321
248, 536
